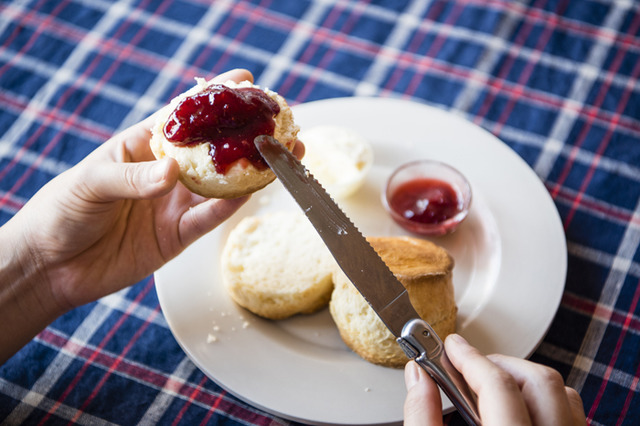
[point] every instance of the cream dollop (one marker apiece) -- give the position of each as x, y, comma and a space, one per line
338, 157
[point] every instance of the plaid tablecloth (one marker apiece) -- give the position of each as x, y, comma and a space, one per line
556, 80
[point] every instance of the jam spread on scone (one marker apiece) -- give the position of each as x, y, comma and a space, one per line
228, 119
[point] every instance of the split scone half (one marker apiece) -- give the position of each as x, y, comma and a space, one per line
276, 266
209, 130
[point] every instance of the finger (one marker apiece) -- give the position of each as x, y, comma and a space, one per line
236, 75
577, 407
499, 399
298, 149
106, 181
206, 216
542, 388
423, 405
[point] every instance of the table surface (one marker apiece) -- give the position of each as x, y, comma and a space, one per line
556, 81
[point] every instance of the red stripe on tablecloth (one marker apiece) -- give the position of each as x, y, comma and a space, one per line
418, 37
12, 204
97, 352
91, 130
521, 38
423, 64
71, 33
191, 397
99, 357
615, 66
633, 389
580, 28
532, 61
224, 29
323, 33
316, 39
404, 59
36, 33
328, 56
212, 410
597, 208
599, 312
434, 49
616, 353
117, 362
85, 102
603, 145
242, 34
189, 391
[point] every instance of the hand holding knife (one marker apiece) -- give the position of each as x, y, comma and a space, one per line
370, 275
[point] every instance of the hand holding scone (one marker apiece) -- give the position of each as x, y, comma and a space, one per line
104, 224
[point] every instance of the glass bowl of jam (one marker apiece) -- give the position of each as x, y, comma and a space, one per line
427, 197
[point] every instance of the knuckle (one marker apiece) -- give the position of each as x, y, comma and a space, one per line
131, 178
573, 394
504, 379
550, 375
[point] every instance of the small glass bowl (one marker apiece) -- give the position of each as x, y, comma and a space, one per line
424, 173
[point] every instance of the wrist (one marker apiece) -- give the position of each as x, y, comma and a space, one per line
27, 304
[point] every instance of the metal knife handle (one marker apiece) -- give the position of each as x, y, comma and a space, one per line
422, 344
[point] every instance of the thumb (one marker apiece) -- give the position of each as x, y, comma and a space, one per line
115, 181
423, 405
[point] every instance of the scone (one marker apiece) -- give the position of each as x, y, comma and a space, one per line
276, 266
209, 130
425, 270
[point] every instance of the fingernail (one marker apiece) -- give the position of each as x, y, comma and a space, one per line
411, 374
456, 338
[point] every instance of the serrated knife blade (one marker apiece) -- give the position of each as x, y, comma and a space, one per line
369, 274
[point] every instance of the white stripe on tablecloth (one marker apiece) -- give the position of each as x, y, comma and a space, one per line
555, 353
580, 89
282, 61
12, 12
494, 48
169, 391
119, 302
398, 37
64, 411
47, 70
198, 34
56, 369
620, 268
63, 75
598, 257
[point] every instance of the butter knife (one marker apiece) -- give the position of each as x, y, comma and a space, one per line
370, 275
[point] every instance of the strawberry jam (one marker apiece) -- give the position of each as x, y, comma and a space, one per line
425, 200
228, 119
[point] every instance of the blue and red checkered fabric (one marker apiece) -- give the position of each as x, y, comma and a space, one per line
556, 80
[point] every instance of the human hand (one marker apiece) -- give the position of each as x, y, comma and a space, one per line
510, 391
115, 217
102, 225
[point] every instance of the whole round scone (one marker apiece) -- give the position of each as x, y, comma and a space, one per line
276, 266
209, 131
425, 270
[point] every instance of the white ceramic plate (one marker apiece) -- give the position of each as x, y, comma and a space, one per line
510, 271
